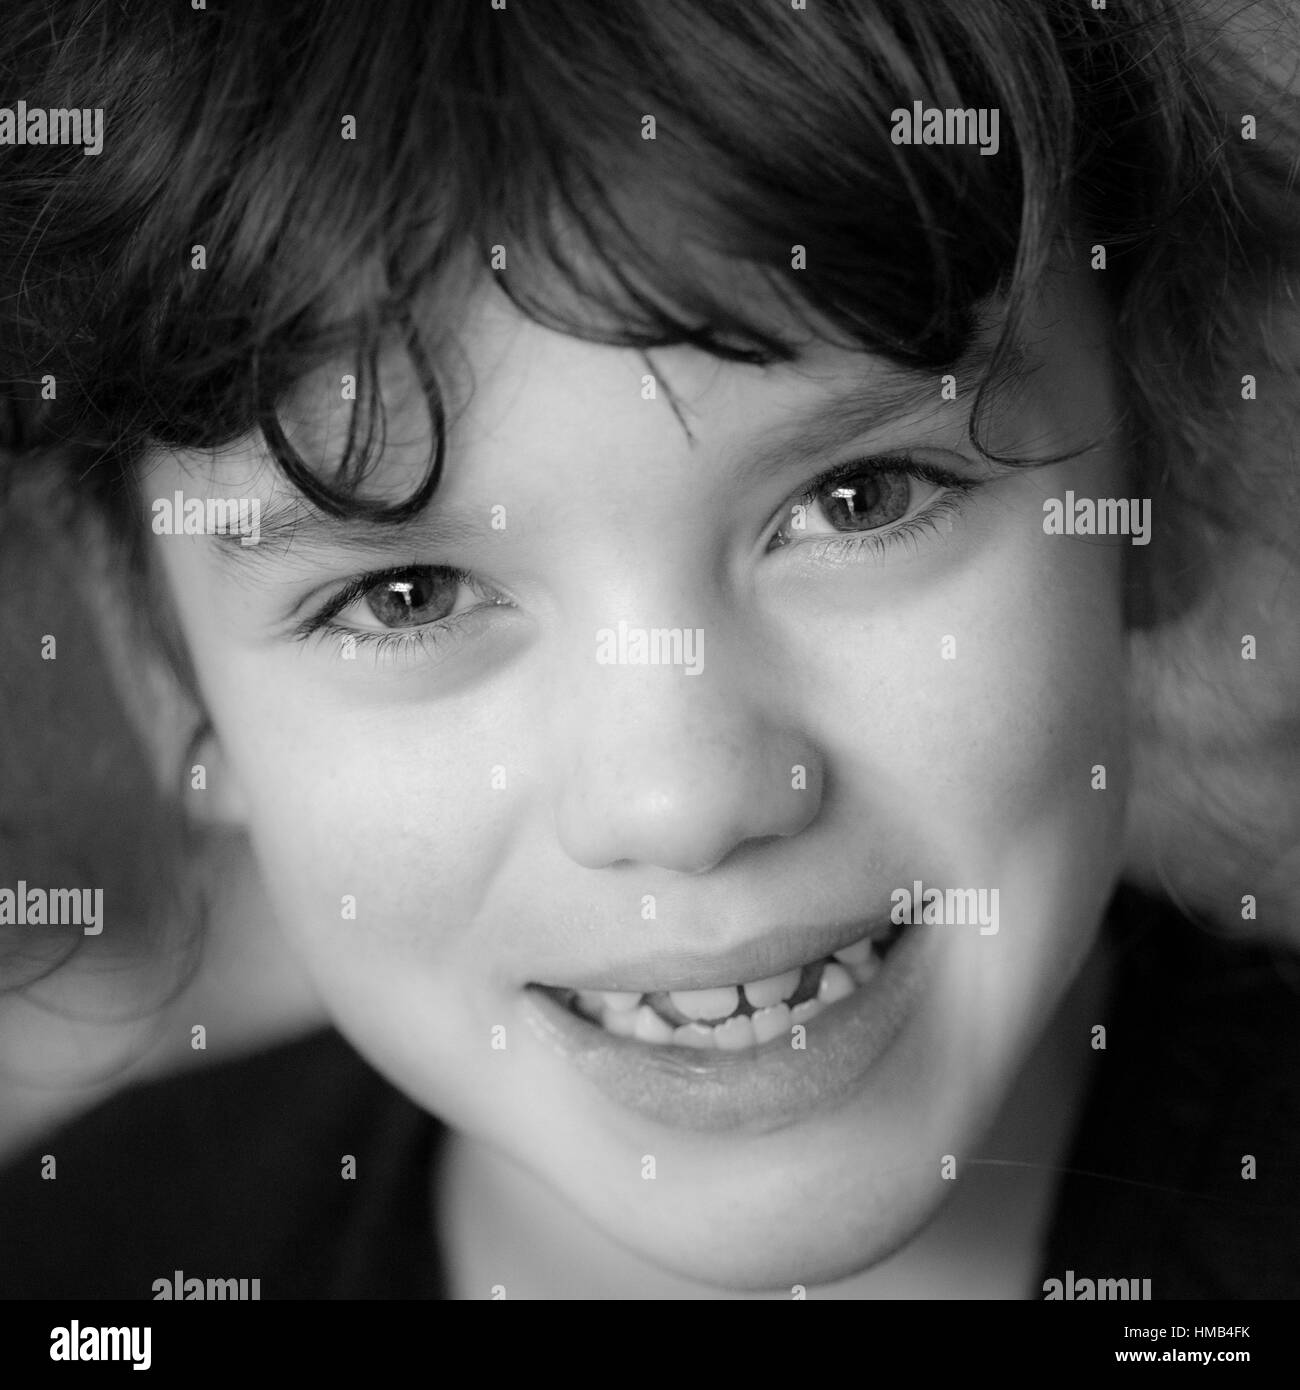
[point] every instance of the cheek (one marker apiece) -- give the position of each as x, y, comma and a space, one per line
378, 841
1024, 715
378, 822
979, 735
385, 809
993, 703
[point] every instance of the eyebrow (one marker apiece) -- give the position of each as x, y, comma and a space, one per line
292, 523
893, 394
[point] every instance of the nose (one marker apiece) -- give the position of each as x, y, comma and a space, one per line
654, 765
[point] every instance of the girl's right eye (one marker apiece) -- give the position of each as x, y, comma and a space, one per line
418, 596
400, 610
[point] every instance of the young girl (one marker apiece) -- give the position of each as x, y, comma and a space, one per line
723, 575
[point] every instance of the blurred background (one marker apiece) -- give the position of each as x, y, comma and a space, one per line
95, 793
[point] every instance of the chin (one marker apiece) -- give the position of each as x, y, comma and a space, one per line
761, 1245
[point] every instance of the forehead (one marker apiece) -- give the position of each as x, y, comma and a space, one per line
506, 381
517, 363
503, 365
518, 395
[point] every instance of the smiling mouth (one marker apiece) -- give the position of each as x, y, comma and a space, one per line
733, 1018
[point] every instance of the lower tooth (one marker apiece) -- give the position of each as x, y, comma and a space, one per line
810, 1008
770, 1023
694, 1035
733, 1035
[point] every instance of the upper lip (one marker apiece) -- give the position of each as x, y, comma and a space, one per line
776, 951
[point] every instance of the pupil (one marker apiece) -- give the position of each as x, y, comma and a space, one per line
868, 502
404, 602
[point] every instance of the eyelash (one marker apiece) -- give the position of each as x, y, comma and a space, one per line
408, 641
401, 641
945, 504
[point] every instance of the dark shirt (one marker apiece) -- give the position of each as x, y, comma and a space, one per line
236, 1171
1201, 1074
233, 1172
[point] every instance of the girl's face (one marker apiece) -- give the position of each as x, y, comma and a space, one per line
693, 719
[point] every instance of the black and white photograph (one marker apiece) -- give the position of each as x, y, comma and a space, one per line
649, 652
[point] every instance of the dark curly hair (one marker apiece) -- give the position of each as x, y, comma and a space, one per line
507, 143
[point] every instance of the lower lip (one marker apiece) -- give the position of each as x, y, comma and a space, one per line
761, 1089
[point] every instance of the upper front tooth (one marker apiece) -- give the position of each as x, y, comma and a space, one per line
857, 954
650, 1027
622, 1024
836, 983
620, 1000
863, 973
706, 1003
763, 994
599, 1000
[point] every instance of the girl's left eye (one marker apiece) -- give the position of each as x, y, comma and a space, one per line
871, 503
